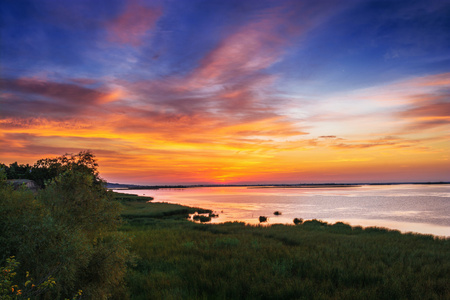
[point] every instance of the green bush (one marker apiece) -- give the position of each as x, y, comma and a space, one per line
28, 288
298, 221
68, 231
201, 218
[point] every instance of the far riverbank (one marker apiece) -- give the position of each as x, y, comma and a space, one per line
299, 185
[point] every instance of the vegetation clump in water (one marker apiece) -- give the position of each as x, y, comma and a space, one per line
201, 218
298, 221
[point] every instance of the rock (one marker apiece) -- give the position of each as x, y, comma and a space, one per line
29, 184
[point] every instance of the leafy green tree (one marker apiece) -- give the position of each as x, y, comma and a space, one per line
17, 171
46, 169
29, 232
67, 231
88, 209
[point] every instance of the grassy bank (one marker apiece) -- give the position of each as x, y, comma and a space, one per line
178, 259
139, 210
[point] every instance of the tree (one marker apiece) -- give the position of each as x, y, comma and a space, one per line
16, 171
48, 168
44, 170
68, 231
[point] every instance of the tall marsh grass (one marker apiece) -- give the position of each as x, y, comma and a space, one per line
314, 260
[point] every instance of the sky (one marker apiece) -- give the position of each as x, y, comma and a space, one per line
229, 92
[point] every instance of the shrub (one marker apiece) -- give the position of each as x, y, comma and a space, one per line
341, 227
10, 289
298, 221
201, 218
315, 223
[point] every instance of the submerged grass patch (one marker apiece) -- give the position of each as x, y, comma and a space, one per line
178, 259
140, 210
123, 197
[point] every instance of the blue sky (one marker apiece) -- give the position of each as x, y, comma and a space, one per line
224, 88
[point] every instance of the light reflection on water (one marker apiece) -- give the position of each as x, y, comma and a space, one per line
415, 208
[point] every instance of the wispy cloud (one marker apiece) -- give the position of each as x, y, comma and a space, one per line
153, 98
30, 97
133, 24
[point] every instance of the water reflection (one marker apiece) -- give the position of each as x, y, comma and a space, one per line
416, 208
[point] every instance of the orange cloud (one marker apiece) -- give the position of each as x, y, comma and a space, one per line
163, 140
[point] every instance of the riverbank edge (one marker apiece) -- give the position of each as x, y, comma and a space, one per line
150, 212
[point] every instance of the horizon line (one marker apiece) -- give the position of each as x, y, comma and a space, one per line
142, 186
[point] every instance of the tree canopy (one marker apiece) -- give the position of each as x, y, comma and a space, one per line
45, 169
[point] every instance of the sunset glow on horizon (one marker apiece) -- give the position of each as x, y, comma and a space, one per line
230, 92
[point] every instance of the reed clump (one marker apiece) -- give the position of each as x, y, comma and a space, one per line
298, 221
201, 218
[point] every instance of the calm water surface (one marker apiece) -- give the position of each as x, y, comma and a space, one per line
408, 208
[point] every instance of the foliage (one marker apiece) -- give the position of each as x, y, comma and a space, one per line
16, 171
298, 221
30, 288
67, 231
44, 170
201, 218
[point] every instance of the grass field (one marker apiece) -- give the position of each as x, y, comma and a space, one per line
178, 259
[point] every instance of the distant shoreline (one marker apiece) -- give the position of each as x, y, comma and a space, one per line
119, 186
306, 186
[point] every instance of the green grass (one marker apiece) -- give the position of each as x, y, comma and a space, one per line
122, 197
178, 259
140, 210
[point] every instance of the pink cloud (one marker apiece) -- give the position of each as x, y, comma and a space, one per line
132, 25
437, 80
440, 110
428, 102
30, 97
246, 51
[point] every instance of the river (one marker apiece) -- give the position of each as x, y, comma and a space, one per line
417, 208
